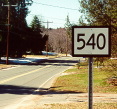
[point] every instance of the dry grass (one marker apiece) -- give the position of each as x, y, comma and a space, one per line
39, 56
3, 66
74, 106
77, 81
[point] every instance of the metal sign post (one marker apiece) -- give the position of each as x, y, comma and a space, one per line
90, 87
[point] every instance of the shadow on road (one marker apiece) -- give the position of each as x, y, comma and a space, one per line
23, 61
60, 62
22, 90
11, 89
44, 62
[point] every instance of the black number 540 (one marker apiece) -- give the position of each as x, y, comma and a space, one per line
92, 41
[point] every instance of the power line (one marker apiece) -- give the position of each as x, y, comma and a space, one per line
47, 25
47, 17
56, 6
50, 17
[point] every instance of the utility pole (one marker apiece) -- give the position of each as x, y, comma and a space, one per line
66, 45
8, 33
48, 38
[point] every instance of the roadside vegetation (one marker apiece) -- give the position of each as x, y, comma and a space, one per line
75, 79
3, 66
79, 106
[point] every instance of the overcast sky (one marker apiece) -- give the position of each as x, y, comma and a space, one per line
54, 11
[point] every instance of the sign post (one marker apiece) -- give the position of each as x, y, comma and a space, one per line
91, 41
90, 84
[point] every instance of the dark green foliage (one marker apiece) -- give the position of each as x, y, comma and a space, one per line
36, 24
18, 26
22, 38
102, 13
37, 42
68, 27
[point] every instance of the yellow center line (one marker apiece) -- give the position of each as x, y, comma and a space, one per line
12, 78
3, 81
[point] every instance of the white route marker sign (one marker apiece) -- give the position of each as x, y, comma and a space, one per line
91, 41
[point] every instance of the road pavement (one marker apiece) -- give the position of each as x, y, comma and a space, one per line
18, 83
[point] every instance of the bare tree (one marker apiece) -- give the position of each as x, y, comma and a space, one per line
57, 40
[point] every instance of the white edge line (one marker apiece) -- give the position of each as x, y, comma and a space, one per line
26, 98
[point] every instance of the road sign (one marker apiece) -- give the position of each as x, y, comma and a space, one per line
91, 41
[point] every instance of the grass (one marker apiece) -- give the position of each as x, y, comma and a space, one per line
78, 106
77, 81
40, 56
2, 66
100, 83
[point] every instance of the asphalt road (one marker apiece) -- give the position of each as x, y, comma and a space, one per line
18, 82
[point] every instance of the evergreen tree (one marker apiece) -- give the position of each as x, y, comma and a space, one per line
36, 24
18, 26
102, 12
36, 40
68, 26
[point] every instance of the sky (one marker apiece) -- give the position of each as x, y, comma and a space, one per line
54, 11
